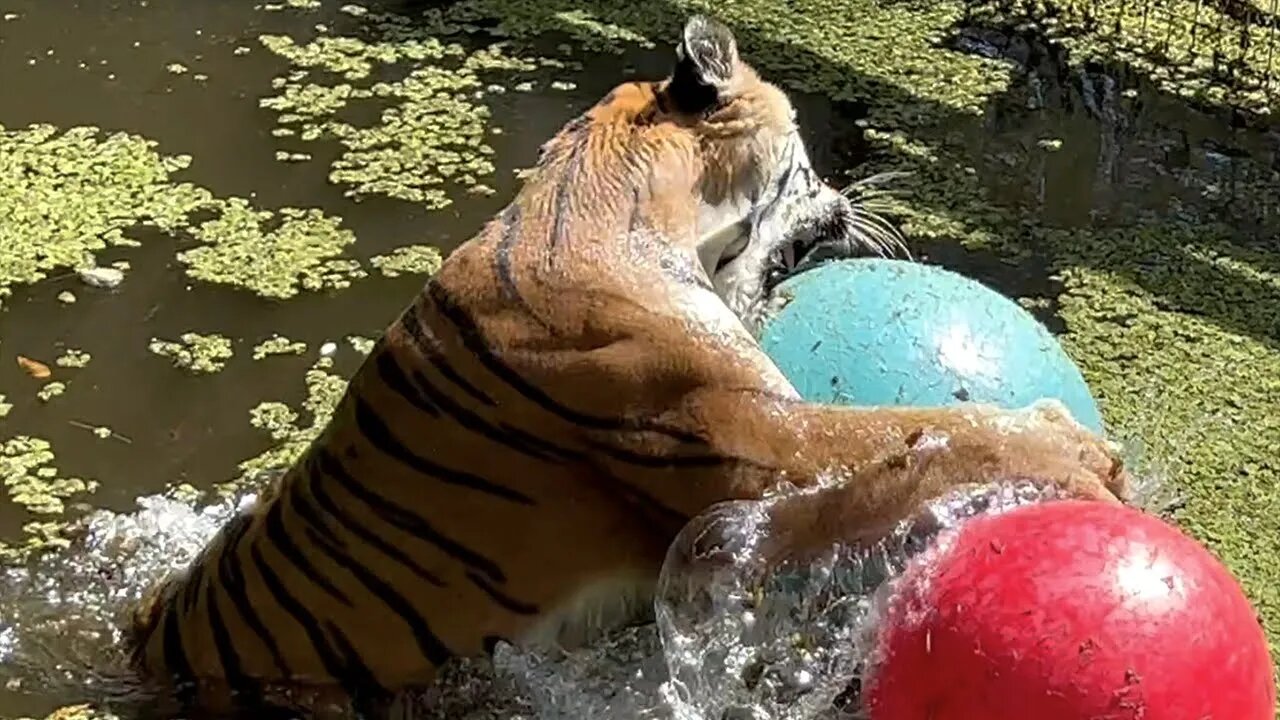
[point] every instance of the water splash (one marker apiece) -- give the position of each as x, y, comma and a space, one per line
63, 614
741, 632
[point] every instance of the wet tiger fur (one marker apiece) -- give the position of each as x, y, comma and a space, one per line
574, 384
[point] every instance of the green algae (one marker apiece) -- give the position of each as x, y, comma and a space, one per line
278, 345
5, 407
195, 352
1172, 361
408, 259
51, 390
283, 424
73, 358
272, 253
77, 712
31, 480
1195, 50
430, 134
1198, 391
66, 196
362, 345
1197, 334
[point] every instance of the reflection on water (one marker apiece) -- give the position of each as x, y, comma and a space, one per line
1077, 150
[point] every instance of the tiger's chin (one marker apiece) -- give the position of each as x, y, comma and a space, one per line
833, 228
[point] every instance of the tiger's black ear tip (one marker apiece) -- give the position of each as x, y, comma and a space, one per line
706, 61
708, 41
705, 27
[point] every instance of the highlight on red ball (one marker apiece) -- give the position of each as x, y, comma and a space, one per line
1067, 610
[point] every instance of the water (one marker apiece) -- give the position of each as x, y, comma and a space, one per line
1144, 154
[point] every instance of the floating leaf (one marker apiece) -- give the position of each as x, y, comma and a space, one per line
34, 368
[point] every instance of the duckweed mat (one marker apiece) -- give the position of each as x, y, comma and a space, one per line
199, 250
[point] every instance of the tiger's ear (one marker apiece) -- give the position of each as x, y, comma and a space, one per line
706, 61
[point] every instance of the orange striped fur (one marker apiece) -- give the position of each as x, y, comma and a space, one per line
525, 440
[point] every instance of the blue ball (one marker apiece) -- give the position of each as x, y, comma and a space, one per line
891, 332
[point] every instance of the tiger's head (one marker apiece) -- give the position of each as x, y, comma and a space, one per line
716, 156
764, 212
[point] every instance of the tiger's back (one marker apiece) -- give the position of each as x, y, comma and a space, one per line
514, 456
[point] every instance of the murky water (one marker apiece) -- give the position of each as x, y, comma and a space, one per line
1132, 153
107, 65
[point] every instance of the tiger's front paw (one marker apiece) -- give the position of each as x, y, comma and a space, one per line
1045, 442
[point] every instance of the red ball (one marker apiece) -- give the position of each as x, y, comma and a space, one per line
1069, 610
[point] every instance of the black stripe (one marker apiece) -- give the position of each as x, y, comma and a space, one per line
195, 578
655, 508
403, 518
528, 443
506, 601
380, 435
683, 270
371, 698
333, 664
568, 182
479, 425
422, 394
636, 221
284, 544
245, 691
474, 341
391, 373
443, 367
310, 513
510, 217
144, 630
544, 445
231, 581
432, 647
175, 657
429, 345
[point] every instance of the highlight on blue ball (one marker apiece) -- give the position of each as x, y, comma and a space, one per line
873, 331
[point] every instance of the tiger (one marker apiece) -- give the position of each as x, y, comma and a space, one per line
573, 385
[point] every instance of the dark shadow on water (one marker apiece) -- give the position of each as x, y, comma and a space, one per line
1134, 157
1130, 160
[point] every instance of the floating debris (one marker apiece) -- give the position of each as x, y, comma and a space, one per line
278, 345
284, 156
196, 352
176, 68
328, 349
100, 277
411, 259
4, 406
73, 358
66, 297
34, 368
51, 391
361, 344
